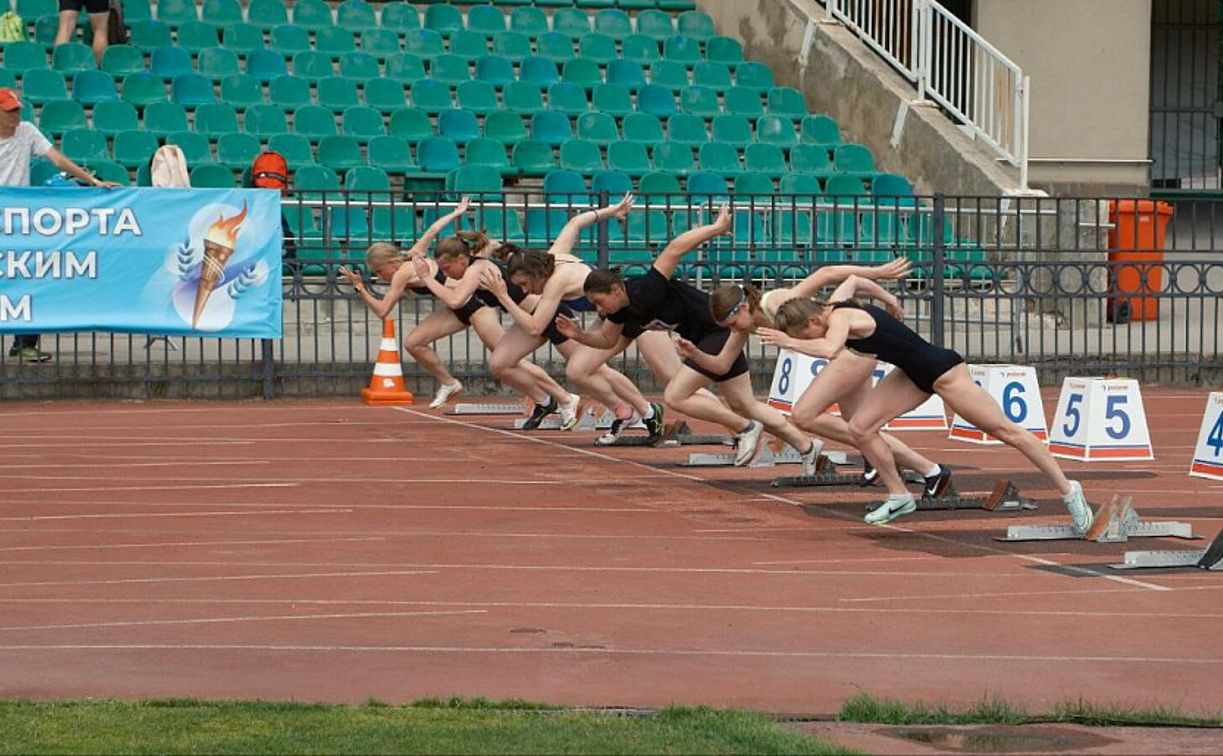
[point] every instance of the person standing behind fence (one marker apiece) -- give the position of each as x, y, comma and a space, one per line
99, 21
20, 142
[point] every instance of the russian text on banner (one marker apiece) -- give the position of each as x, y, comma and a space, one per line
198, 262
1016, 391
1100, 418
1208, 453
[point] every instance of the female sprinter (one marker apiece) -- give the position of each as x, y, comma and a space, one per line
655, 302
743, 310
558, 277
846, 329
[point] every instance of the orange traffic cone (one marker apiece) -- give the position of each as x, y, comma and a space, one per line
386, 386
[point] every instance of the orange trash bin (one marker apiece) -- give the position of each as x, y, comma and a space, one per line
1137, 235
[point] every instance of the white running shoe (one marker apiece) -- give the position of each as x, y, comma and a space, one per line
747, 443
618, 427
569, 412
891, 509
1080, 510
442, 397
811, 458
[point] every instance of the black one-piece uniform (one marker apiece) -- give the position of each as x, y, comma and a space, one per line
657, 303
898, 344
463, 313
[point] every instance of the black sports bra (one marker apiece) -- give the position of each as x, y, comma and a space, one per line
892, 340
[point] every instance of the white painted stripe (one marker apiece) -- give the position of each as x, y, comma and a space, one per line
388, 345
178, 544
184, 463
250, 618
220, 578
388, 369
153, 488
257, 513
85, 443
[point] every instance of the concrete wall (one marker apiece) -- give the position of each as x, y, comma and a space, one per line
1090, 66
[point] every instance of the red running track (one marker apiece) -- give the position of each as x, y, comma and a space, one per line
323, 550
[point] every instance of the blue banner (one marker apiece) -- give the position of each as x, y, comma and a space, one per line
191, 262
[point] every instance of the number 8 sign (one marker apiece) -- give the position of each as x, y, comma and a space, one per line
1208, 454
1098, 418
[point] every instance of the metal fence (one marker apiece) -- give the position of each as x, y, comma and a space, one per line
1034, 281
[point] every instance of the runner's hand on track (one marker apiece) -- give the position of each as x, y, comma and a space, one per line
776, 338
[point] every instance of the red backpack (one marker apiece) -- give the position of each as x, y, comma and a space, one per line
270, 171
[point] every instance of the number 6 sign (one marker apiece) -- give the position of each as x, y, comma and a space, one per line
1208, 454
1015, 389
1098, 418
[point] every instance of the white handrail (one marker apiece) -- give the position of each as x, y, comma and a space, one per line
950, 64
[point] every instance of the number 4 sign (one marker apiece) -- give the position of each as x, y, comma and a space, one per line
1208, 454
1099, 418
1015, 389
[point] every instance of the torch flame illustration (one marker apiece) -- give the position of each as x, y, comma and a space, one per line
219, 242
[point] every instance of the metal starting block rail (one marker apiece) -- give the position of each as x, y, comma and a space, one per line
1004, 498
766, 457
676, 434
487, 408
825, 477
1114, 522
553, 422
1209, 558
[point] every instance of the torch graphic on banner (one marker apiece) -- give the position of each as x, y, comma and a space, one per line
219, 242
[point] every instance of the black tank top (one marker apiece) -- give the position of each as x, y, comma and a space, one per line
515, 291
440, 278
892, 340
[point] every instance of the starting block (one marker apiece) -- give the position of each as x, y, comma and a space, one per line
766, 457
1209, 558
676, 434
1115, 522
826, 477
485, 408
1004, 498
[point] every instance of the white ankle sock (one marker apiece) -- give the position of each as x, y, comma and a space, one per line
934, 470
648, 413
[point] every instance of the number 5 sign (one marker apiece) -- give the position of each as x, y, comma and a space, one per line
1208, 454
1099, 418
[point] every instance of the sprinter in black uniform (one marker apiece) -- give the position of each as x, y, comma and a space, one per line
656, 302
845, 328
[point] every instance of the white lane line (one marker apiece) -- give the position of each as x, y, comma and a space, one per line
150, 488
108, 444
246, 407
275, 483
184, 463
251, 618
216, 578
410, 507
944, 596
228, 513
178, 544
716, 653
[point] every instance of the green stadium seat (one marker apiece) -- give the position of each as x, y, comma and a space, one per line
660, 189
676, 6
94, 86
451, 69
121, 60
853, 159
669, 74
582, 72
266, 14
289, 92
765, 158
316, 181
194, 36
505, 126
176, 12
30, 10
59, 116
687, 129
523, 97
192, 90
164, 118
136, 10
810, 159
400, 17
700, 101
108, 170
656, 100
567, 98
572, 22
773, 129
469, 45
569, 184
294, 147
716, 76
543, 225
540, 71
733, 130
340, 152
312, 14
840, 185
674, 158
149, 35
217, 63
628, 157
73, 57
312, 65
891, 186
112, 116
265, 121
649, 226
290, 40
581, 155
437, 154
381, 43
640, 49
8, 78
495, 70
220, 12
744, 101
719, 157
799, 183
487, 152
727, 50
478, 181
613, 23
405, 68
358, 66
550, 127
356, 15
214, 119
362, 122
792, 227
431, 95
237, 150
695, 24
820, 129
459, 125
41, 85
168, 62
555, 47
334, 41
788, 102
443, 19
502, 224
636, 4
212, 176
411, 125
391, 154
614, 183
387, 95
424, 43
643, 128
529, 20
265, 65
656, 24
598, 47
597, 127
367, 178
314, 121
612, 99
395, 223
195, 146
754, 75
513, 46
84, 144
486, 19
533, 157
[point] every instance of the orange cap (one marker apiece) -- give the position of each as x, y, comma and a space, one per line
9, 99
